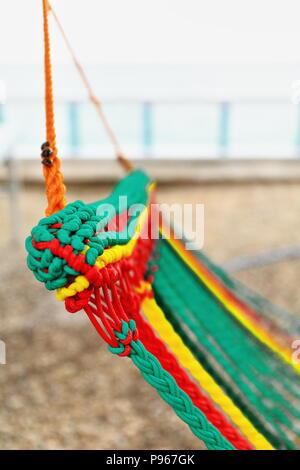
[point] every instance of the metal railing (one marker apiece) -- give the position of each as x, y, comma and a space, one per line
222, 128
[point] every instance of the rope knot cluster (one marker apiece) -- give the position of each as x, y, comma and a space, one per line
66, 244
79, 301
125, 337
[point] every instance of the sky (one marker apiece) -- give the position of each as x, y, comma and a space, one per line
155, 31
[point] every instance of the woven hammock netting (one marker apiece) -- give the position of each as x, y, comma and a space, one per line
220, 355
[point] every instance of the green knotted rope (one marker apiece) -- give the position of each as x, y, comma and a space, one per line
198, 352
167, 388
176, 292
79, 225
251, 359
227, 349
263, 307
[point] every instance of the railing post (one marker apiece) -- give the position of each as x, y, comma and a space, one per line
147, 128
2, 101
74, 127
223, 137
2, 113
297, 140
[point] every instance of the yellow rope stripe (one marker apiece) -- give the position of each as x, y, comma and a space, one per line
156, 318
257, 331
78, 285
111, 255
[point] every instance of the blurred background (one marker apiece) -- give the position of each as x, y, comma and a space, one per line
205, 96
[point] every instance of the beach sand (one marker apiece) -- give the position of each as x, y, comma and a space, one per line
61, 388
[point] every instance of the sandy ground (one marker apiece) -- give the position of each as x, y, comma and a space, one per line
61, 388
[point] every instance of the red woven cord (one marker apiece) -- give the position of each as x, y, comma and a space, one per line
169, 362
106, 312
112, 298
108, 301
117, 300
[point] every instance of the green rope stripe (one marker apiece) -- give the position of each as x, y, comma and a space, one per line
254, 413
81, 221
237, 398
228, 335
263, 307
248, 351
252, 364
269, 404
167, 388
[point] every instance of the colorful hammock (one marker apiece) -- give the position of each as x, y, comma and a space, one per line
217, 353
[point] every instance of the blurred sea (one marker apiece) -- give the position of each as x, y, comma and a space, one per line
158, 110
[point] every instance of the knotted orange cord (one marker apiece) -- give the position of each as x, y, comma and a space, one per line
55, 188
127, 166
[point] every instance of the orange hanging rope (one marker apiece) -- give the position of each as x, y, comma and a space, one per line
125, 163
55, 188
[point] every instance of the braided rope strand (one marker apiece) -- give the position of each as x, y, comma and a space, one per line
167, 388
165, 330
175, 303
230, 304
169, 362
